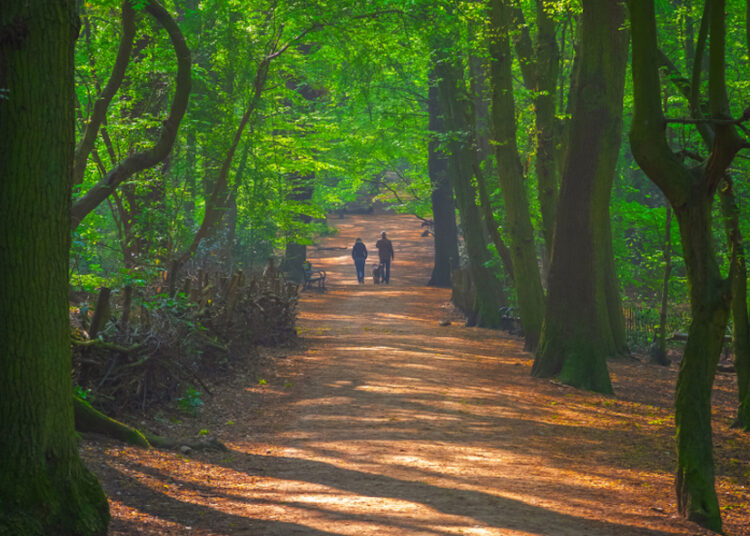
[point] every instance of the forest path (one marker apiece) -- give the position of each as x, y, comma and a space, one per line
387, 423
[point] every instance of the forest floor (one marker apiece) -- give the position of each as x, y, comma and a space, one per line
383, 422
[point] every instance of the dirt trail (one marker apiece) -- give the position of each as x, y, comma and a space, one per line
389, 424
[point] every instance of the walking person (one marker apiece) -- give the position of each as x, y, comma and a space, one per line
359, 254
385, 252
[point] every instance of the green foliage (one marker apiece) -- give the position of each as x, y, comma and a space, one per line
191, 401
343, 112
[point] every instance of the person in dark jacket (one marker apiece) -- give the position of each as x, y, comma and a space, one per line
359, 254
385, 252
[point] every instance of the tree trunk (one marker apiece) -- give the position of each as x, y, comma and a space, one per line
44, 487
696, 497
577, 336
526, 276
738, 282
547, 139
216, 201
738, 269
295, 253
658, 352
443, 205
454, 101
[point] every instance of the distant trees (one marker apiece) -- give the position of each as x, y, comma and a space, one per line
44, 487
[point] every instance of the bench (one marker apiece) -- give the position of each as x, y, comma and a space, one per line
313, 277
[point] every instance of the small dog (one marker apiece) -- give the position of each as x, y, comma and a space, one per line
377, 273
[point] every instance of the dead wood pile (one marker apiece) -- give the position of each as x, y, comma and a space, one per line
136, 351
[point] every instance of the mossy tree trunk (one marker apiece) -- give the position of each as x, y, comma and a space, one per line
526, 275
578, 333
539, 65
44, 487
709, 305
690, 191
455, 104
443, 205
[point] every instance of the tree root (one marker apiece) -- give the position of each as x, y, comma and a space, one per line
89, 420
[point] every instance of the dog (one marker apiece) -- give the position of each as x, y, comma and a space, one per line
377, 273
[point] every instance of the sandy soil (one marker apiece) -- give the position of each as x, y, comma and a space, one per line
384, 422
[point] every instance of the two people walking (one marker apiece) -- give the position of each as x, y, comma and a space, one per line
385, 254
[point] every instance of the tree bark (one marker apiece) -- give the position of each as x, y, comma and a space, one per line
443, 205
738, 269
295, 253
44, 487
526, 276
696, 497
577, 336
547, 139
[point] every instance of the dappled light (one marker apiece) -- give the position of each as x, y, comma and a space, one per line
387, 423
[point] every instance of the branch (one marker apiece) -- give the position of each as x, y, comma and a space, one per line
524, 47
711, 121
684, 86
150, 157
105, 98
647, 134
490, 222
216, 203
321, 25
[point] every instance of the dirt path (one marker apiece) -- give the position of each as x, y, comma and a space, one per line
389, 424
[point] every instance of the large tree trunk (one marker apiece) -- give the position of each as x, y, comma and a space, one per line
44, 487
577, 336
443, 205
526, 276
730, 210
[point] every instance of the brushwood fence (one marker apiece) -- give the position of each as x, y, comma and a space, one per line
642, 325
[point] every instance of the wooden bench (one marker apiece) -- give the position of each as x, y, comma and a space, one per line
313, 277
